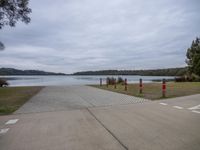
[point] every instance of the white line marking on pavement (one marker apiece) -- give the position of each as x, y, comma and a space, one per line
195, 107
3, 131
12, 121
163, 104
196, 111
178, 107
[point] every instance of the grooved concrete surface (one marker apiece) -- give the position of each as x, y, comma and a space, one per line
69, 130
151, 126
74, 97
86, 118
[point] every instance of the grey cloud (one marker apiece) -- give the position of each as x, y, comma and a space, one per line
74, 35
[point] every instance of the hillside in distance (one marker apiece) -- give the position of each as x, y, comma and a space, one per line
154, 72
12, 71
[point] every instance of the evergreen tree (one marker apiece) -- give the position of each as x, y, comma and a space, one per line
193, 57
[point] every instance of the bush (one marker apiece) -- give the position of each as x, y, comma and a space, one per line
111, 81
180, 79
120, 80
3, 83
191, 78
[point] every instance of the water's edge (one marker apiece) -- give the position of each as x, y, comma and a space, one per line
73, 80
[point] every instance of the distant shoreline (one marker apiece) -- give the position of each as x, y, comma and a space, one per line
33, 75
155, 72
17, 72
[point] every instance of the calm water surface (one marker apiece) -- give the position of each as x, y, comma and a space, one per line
70, 80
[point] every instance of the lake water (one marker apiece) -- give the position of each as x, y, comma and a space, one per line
70, 80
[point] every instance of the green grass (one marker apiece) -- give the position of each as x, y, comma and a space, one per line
153, 91
11, 98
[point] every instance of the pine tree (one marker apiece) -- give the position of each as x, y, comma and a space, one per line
193, 57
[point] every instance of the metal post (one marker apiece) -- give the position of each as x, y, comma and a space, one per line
115, 83
100, 81
164, 88
125, 85
141, 86
107, 82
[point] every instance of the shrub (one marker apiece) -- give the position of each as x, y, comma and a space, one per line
120, 80
180, 79
3, 83
111, 81
190, 78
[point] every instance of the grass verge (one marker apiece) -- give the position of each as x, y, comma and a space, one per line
153, 91
11, 98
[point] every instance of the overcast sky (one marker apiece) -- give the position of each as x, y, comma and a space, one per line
77, 35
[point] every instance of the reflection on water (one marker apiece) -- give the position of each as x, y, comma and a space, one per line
71, 80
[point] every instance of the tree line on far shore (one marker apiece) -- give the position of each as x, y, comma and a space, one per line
17, 10
189, 73
154, 72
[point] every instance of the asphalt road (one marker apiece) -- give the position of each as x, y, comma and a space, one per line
80, 118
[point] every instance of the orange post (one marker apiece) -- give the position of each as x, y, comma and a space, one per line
141, 86
164, 88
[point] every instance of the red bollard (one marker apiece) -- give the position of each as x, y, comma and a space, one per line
141, 86
100, 81
164, 88
125, 85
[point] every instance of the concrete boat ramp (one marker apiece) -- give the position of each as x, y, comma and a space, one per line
87, 118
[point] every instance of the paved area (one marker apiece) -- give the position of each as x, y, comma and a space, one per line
74, 97
68, 130
185, 102
79, 118
152, 126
